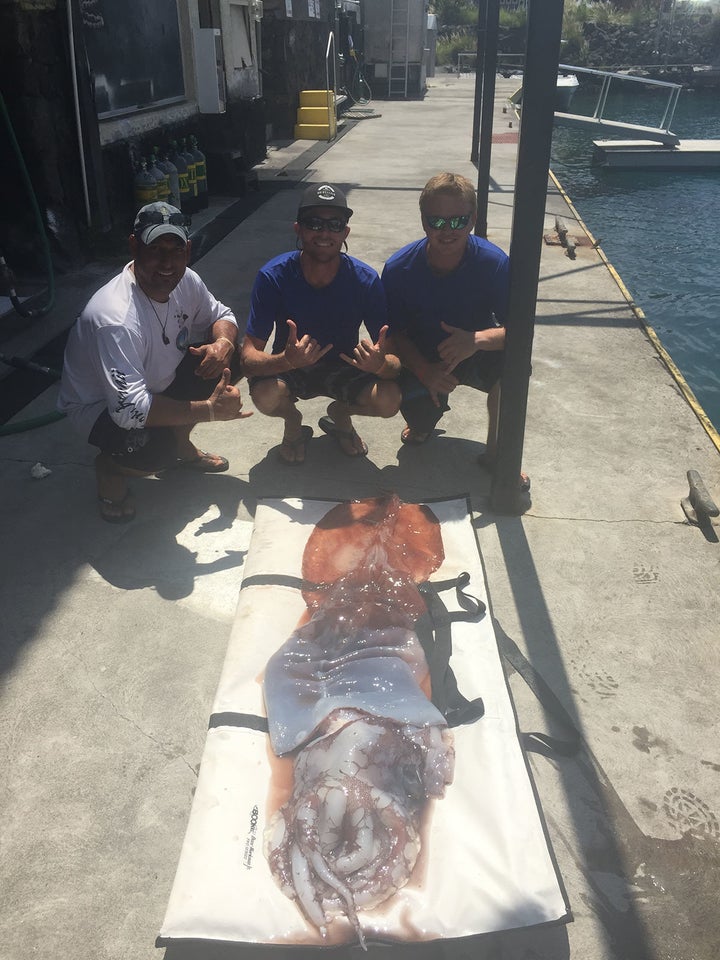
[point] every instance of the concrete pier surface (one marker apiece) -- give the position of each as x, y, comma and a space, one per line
114, 636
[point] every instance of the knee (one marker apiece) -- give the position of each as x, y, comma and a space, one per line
388, 398
269, 395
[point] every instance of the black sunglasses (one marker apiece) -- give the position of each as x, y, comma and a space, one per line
334, 224
153, 217
455, 223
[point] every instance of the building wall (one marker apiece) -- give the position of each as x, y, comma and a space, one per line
294, 44
37, 93
395, 44
121, 117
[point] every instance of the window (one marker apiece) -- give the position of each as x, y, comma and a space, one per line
134, 53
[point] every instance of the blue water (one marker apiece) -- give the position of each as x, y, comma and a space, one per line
660, 230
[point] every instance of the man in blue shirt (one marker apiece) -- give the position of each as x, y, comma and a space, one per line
314, 301
447, 301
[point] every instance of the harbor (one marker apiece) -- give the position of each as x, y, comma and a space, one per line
653, 147
116, 636
636, 213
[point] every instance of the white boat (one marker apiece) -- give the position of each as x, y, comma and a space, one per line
565, 87
567, 84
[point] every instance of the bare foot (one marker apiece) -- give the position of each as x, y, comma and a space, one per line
116, 502
338, 424
413, 437
348, 440
292, 448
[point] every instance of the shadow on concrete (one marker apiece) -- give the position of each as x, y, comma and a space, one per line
621, 865
446, 466
150, 555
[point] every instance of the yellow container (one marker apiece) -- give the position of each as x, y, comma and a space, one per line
312, 115
316, 98
316, 118
312, 131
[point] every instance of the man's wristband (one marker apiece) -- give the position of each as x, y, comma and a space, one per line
218, 339
211, 410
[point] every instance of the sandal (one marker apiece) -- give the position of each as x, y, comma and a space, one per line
488, 464
204, 463
414, 438
295, 447
328, 426
125, 507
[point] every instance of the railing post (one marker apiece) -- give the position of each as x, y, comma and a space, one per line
492, 22
479, 71
332, 120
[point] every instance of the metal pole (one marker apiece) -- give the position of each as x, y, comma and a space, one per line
479, 68
544, 27
488, 106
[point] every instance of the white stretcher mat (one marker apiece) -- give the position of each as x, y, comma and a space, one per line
485, 865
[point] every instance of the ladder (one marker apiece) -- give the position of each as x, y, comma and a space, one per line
399, 47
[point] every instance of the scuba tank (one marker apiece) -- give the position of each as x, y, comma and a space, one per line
192, 175
171, 170
178, 160
161, 178
200, 174
145, 185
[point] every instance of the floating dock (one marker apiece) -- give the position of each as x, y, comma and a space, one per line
651, 155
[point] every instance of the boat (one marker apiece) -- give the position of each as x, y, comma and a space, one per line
565, 87
567, 84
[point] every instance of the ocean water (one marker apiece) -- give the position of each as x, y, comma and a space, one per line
660, 230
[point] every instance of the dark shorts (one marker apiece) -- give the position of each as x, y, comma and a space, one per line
481, 372
152, 449
334, 378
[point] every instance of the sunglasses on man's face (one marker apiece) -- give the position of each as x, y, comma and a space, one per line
334, 224
152, 218
455, 223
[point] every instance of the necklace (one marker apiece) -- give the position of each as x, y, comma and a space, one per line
163, 324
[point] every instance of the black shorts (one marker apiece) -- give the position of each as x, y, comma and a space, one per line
481, 371
151, 449
327, 378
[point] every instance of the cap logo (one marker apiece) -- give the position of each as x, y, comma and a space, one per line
325, 192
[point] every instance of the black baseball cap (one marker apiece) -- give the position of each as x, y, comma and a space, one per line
324, 195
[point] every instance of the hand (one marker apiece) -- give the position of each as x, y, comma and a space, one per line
369, 356
303, 352
226, 400
215, 357
438, 379
457, 346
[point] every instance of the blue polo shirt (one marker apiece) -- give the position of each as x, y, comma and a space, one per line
331, 314
474, 296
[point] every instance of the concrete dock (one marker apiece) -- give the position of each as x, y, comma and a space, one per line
114, 636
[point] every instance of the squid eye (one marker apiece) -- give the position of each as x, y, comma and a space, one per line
412, 782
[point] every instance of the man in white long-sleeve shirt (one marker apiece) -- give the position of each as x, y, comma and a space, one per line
150, 356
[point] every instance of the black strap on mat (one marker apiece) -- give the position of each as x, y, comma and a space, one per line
248, 720
539, 742
434, 630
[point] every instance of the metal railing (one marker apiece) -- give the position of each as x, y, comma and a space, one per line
332, 121
608, 76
